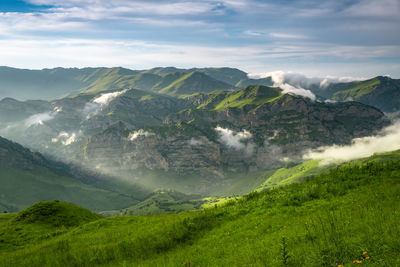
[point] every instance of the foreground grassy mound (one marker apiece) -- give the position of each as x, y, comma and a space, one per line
347, 215
56, 213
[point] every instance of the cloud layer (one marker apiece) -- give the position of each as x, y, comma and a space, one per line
387, 140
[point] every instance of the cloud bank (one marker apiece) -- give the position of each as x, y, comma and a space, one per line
303, 81
387, 140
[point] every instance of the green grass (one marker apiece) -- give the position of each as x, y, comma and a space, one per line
20, 188
251, 95
359, 90
327, 221
297, 173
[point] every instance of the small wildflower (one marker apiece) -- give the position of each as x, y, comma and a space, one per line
367, 258
364, 252
357, 261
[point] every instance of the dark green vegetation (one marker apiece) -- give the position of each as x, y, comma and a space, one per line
27, 177
381, 92
348, 213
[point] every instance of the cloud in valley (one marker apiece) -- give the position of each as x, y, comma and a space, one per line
236, 139
97, 104
39, 119
134, 135
387, 140
66, 138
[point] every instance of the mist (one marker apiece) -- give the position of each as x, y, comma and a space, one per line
387, 140
289, 86
38, 119
67, 138
97, 104
302, 81
134, 135
236, 140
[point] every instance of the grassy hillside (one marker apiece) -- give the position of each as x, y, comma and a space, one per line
381, 92
294, 174
348, 215
194, 82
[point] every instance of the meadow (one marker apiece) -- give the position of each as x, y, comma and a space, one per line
348, 215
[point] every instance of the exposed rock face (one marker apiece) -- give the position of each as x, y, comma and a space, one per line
188, 142
207, 135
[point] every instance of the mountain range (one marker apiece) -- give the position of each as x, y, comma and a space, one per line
200, 130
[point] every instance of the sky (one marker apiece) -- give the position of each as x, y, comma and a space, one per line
357, 38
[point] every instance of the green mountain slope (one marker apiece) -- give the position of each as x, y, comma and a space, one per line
381, 92
227, 75
194, 82
27, 177
347, 214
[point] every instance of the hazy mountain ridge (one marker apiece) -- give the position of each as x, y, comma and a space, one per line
58, 82
27, 177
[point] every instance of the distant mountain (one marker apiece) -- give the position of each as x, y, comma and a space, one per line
42, 84
60, 82
194, 82
227, 75
381, 92
27, 177
246, 82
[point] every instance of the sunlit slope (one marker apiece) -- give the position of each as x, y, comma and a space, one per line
381, 92
347, 214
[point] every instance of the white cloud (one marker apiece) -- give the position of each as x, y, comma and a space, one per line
66, 138
279, 80
142, 55
235, 139
97, 104
293, 82
387, 140
39, 119
104, 99
374, 8
288, 36
134, 135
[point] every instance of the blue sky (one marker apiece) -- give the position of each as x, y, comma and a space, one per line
317, 38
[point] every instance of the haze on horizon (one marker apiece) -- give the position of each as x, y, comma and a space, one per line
356, 38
